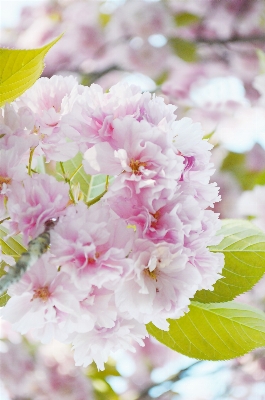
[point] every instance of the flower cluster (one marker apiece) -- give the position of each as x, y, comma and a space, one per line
140, 253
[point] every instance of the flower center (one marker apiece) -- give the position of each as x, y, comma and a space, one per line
92, 260
151, 274
41, 293
4, 179
135, 165
156, 216
35, 130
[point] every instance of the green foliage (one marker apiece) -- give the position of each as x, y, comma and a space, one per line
235, 163
244, 248
260, 178
74, 173
11, 247
183, 49
104, 19
102, 389
19, 69
162, 78
214, 331
186, 18
261, 56
97, 186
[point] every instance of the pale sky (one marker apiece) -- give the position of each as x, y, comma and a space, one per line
10, 11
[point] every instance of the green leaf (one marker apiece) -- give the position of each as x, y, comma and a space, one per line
162, 78
186, 18
97, 186
260, 179
244, 249
235, 163
19, 70
214, 331
11, 247
261, 56
104, 19
80, 176
208, 136
91, 186
183, 49
99, 380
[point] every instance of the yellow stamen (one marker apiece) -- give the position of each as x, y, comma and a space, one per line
151, 274
135, 165
156, 216
41, 293
4, 179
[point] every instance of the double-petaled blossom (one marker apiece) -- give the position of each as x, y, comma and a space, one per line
43, 301
33, 202
92, 246
49, 100
137, 256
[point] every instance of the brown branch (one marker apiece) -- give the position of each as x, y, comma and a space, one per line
233, 39
88, 79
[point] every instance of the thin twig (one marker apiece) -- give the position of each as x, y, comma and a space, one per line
179, 375
88, 79
233, 39
5, 219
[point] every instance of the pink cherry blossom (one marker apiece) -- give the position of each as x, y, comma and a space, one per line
34, 201
42, 302
49, 100
137, 255
163, 280
98, 344
93, 113
94, 250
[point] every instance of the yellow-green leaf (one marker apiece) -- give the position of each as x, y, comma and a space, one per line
243, 246
184, 49
75, 173
261, 56
11, 247
19, 70
186, 18
218, 331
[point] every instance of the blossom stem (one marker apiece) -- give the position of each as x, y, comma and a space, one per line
5, 219
30, 160
67, 180
107, 183
32, 170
